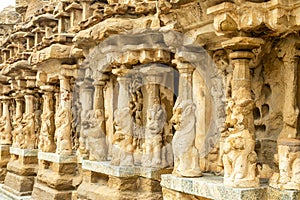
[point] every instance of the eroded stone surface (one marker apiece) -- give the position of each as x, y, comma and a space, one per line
112, 94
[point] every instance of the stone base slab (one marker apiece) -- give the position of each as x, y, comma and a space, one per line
277, 194
43, 192
23, 152
4, 159
211, 187
56, 158
6, 195
18, 185
105, 167
98, 191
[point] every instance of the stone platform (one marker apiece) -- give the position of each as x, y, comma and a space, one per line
22, 169
104, 181
55, 176
6, 195
211, 187
4, 159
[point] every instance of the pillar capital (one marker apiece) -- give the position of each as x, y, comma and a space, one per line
243, 43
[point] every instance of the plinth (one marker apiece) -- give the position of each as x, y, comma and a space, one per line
101, 180
4, 159
21, 171
55, 176
207, 187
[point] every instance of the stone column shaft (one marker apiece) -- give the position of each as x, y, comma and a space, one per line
123, 99
29, 103
185, 80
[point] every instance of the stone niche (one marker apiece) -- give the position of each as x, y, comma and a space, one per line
144, 99
128, 105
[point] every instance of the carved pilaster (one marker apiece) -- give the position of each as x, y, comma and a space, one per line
28, 129
123, 138
156, 116
63, 118
186, 156
46, 136
5, 126
239, 157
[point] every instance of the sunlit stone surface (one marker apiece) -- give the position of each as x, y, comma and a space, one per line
145, 99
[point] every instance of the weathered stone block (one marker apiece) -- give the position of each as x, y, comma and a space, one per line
22, 169
18, 185
47, 193
211, 187
122, 184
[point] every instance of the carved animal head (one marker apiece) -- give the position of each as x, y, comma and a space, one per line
183, 114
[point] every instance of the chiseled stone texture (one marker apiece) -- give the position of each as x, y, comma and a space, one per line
211, 187
122, 171
276, 194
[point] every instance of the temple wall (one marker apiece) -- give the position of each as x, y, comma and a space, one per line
170, 99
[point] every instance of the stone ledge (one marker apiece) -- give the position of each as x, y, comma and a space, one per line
105, 167
23, 152
56, 158
4, 147
277, 194
6, 195
212, 187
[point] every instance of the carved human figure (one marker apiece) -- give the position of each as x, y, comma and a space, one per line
28, 131
239, 158
17, 131
123, 138
46, 143
63, 130
186, 161
5, 130
94, 136
288, 161
156, 119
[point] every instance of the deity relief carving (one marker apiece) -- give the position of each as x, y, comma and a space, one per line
62, 132
186, 160
238, 155
46, 143
93, 135
28, 131
288, 161
156, 119
123, 138
5, 130
17, 131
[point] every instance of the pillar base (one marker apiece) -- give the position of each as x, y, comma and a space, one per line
104, 181
6, 195
4, 159
207, 187
55, 178
278, 194
22, 169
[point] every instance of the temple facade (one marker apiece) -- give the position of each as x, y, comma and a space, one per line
150, 99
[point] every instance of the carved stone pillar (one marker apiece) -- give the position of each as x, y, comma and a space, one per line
186, 156
17, 122
123, 138
57, 170
46, 136
239, 157
6, 128
86, 100
63, 119
29, 123
288, 142
156, 116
